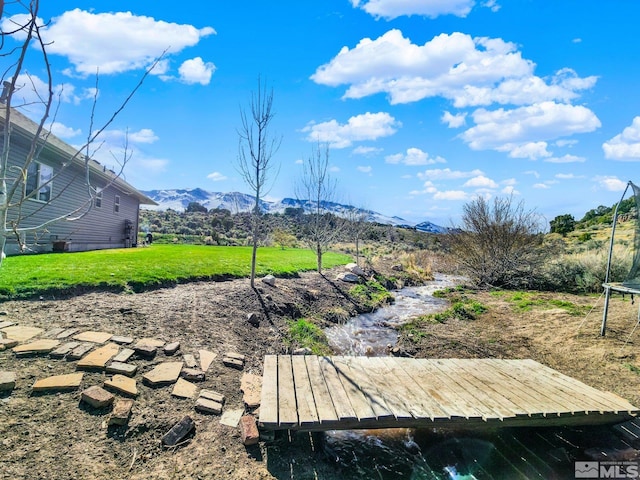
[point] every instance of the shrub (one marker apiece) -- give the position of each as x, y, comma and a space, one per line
305, 334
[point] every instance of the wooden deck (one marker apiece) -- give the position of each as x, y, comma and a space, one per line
337, 393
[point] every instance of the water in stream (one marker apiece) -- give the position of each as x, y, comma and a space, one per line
415, 454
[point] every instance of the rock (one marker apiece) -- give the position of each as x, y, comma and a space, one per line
171, 348
302, 351
249, 430
211, 395
121, 340
355, 269
54, 332
206, 359
190, 360
121, 411
93, 337
121, 368
231, 418
154, 342
251, 387
348, 277
184, 389
178, 432
70, 381
237, 356
97, 397
6, 323
7, 381
269, 280
7, 343
233, 363
34, 348
204, 405
124, 355
66, 333
397, 268
63, 349
146, 351
122, 384
254, 319
99, 358
80, 351
192, 374
21, 333
163, 374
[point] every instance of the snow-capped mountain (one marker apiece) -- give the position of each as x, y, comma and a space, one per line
235, 202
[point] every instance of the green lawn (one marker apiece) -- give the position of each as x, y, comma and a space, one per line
140, 268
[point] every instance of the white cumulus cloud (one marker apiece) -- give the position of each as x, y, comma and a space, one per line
454, 121
367, 126
413, 157
216, 176
451, 195
196, 71
62, 131
448, 174
613, 184
480, 182
566, 159
390, 9
625, 145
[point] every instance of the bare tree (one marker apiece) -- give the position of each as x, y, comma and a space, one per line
16, 215
318, 190
500, 243
256, 149
358, 222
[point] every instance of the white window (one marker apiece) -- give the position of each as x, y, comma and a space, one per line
116, 204
98, 198
39, 178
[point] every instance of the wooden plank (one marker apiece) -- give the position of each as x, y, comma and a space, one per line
339, 397
358, 401
269, 395
307, 414
391, 390
287, 407
321, 395
359, 369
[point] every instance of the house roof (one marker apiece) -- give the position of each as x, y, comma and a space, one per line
65, 152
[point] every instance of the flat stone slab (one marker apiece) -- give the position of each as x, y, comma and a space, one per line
163, 374
251, 386
204, 405
93, 337
6, 323
184, 389
66, 333
80, 351
147, 351
64, 349
122, 384
233, 362
237, 356
123, 355
39, 346
178, 432
192, 374
190, 360
99, 358
211, 395
206, 359
7, 343
171, 348
121, 411
22, 333
7, 381
97, 397
70, 381
54, 332
230, 418
122, 340
152, 342
121, 368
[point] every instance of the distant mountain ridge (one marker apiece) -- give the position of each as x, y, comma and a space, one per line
235, 202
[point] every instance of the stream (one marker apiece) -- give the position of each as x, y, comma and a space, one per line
430, 453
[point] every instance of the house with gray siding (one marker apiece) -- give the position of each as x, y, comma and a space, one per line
57, 184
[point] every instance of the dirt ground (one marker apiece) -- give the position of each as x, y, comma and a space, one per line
54, 436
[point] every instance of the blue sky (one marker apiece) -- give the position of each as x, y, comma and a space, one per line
424, 103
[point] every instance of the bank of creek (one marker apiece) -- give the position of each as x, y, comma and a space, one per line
54, 436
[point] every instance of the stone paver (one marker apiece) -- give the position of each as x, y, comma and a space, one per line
204, 405
237, 356
152, 342
99, 358
190, 360
121, 411
97, 397
251, 386
231, 417
184, 389
93, 337
163, 374
70, 381
122, 384
192, 374
127, 369
66, 333
122, 340
54, 332
64, 349
80, 351
147, 351
206, 359
249, 430
6, 323
7, 381
179, 431
124, 355
171, 348
7, 343
233, 362
34, 348
211, 395
22, 333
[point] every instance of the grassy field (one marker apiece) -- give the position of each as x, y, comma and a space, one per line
139, 268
